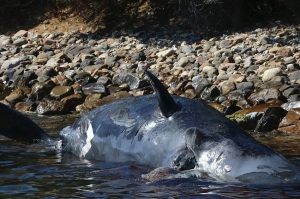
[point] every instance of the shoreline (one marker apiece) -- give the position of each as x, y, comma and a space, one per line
254, 73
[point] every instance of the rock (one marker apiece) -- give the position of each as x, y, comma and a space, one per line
15, 97
199, 84
210, 94
20, 42
20, 33
183, 62
140, 56
225, 44
186, 49
285, 52
94, 97
270, 119
165, 53
105, 100
58, 59
51, 107
291, 122
270, 73
274, 49
72, 101
265, 95
10, 63
218, 107
25, 106
133, 81
260, 108
295, 75
93, 88
291, 105
61, 91
249, 61
245, 86
4, 91
227, 87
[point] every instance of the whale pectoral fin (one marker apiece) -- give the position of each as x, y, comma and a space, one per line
167, 104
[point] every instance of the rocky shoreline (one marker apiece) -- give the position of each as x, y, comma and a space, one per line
252, 77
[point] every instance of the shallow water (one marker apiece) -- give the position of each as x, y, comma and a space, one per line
35, 172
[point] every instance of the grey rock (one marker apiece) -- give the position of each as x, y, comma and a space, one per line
10, 63
245, 86
200, 84
210, 93
225, 44
186, 49
295, 75
93, 88
20, 42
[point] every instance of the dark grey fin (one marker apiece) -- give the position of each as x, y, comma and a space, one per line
17, 126
167, 104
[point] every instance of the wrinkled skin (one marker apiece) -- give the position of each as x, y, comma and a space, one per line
195, 138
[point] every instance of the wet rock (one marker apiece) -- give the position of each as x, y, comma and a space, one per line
294, 97
61, 91
25, 106
291, 122
133, 81
72, 101
260, 108
210, 94
4, 91
93, 88
15, 97
270, 119
218, 107
291, 105
94, 97
265, 95
51, 107
199, 84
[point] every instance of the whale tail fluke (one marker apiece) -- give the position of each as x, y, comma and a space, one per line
16, 126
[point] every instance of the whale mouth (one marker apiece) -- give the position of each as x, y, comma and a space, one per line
185, 160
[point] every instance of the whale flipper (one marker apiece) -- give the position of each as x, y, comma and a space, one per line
17, 126
166, 102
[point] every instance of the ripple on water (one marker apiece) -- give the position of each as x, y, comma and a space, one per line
16, 189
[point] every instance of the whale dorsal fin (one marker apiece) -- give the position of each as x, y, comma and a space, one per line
166, 103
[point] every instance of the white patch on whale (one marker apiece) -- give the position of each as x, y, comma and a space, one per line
89, 136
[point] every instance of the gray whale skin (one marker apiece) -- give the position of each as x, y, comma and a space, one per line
161, 130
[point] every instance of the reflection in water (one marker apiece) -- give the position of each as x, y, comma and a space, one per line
32, 171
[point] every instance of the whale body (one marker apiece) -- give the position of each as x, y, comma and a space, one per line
161, 130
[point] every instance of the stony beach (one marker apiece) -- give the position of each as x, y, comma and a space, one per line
252, 77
